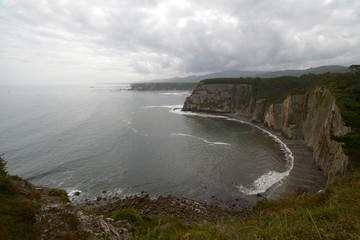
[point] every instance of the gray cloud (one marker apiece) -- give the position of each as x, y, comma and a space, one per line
94, 41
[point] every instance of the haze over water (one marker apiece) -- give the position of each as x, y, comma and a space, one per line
94, 139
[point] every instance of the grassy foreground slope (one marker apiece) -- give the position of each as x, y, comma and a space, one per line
17, 214
332, 214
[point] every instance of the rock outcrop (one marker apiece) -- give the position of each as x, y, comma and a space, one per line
293, 109
258, 114
313, 117
221, 98
69, 221
211, 98
275, 117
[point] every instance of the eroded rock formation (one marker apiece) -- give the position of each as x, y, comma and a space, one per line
313, 117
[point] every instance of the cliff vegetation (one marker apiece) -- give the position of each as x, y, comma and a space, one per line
346, 89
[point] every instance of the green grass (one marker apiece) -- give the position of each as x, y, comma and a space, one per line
145, 227
60, 193
333, 214
17, 215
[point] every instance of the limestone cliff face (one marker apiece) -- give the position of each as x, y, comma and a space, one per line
293, 108
287, 117
221, 98
312, 117
323, 118
258, 114
243, 103
275, 117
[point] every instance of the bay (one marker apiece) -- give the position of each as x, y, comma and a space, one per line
91, 139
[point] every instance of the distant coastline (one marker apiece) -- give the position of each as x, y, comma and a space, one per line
176, 86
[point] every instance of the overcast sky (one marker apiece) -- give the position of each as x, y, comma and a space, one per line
93, 41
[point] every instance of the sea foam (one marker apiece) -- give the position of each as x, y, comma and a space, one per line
202, 139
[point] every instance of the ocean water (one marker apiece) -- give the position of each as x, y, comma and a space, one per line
91, 139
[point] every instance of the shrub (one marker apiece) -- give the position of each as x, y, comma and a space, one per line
60, 193
129, 215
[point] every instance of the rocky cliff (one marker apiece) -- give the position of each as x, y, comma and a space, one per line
225, 98
323, 119
313, 116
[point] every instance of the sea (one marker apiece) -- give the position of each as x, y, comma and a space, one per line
104, 140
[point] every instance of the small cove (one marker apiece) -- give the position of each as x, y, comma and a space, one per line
90, 140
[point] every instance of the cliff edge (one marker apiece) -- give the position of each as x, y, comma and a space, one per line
300, 110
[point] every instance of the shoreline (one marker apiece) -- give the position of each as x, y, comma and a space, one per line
186, 209
304, 177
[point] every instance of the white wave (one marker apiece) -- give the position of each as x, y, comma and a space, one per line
188, 113
72, 191
267, 180
164, 106
264, 182
176, 93
200, 138
182, 134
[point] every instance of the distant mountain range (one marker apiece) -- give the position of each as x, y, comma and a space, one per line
261, 74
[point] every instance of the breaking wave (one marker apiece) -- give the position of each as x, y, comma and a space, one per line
200, 138
267, 180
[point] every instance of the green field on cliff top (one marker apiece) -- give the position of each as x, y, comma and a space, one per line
331, 214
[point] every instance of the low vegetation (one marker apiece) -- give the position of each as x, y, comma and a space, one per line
17, 212
62, 194
332, 214
151, 227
